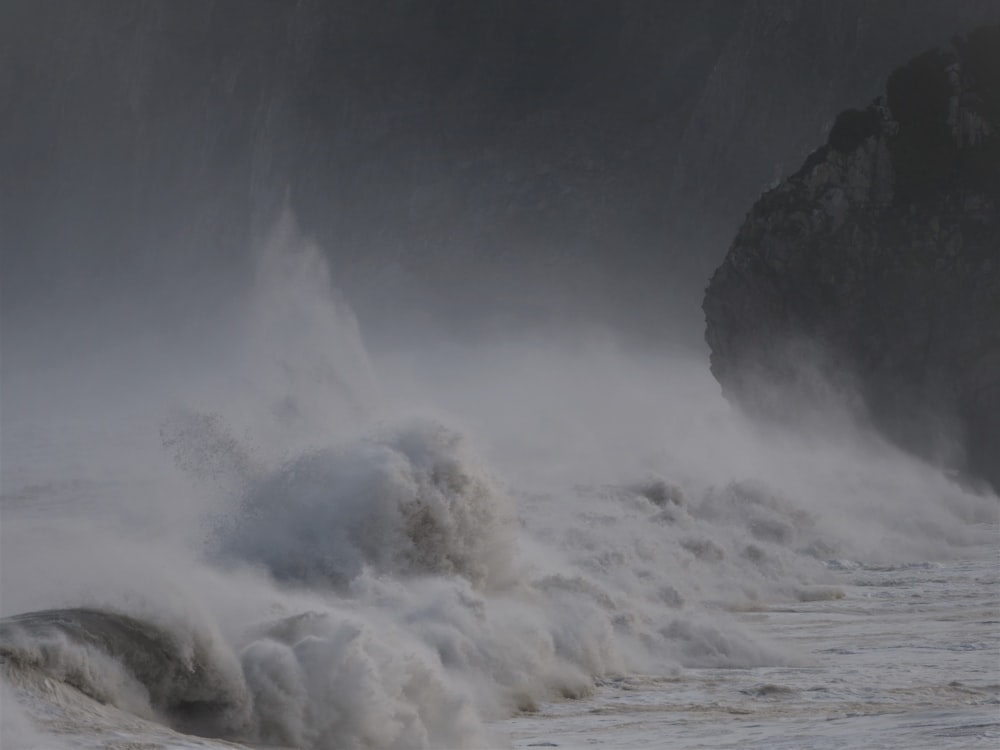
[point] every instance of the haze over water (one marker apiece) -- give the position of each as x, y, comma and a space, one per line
256, 490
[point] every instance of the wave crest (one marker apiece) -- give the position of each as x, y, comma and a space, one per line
416, 502
133, 665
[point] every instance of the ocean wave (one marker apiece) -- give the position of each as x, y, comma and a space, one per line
414, 502
185, 679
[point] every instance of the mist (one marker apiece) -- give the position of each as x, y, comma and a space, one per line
389, 447
510, 517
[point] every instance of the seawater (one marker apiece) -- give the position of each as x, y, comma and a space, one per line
306, 541
909, 658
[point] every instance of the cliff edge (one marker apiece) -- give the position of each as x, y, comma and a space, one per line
878, 263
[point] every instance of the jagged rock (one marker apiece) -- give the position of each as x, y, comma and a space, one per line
879, 262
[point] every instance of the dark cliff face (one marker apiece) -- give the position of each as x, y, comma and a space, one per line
878, 262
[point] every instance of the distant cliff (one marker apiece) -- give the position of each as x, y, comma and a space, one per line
879, 263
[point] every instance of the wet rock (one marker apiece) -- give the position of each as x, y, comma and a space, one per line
875, 269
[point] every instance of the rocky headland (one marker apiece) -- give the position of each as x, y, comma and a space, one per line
874, 270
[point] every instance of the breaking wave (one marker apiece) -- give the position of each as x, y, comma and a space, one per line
184, 678
302, 586
413, 503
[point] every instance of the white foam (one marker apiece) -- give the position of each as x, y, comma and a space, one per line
560, 513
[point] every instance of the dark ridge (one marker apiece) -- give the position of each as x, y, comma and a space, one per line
924, 151
814, 159
882, 271
851, 129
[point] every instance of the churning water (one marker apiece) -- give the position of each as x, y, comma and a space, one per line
304, 541
907, 658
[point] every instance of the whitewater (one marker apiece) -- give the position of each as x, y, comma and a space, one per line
300, 538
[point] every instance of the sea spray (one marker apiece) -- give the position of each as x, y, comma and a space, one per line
563, 513
411, 503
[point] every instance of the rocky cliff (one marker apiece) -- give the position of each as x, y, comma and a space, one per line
878, 264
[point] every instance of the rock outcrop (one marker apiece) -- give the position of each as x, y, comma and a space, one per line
879, 263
